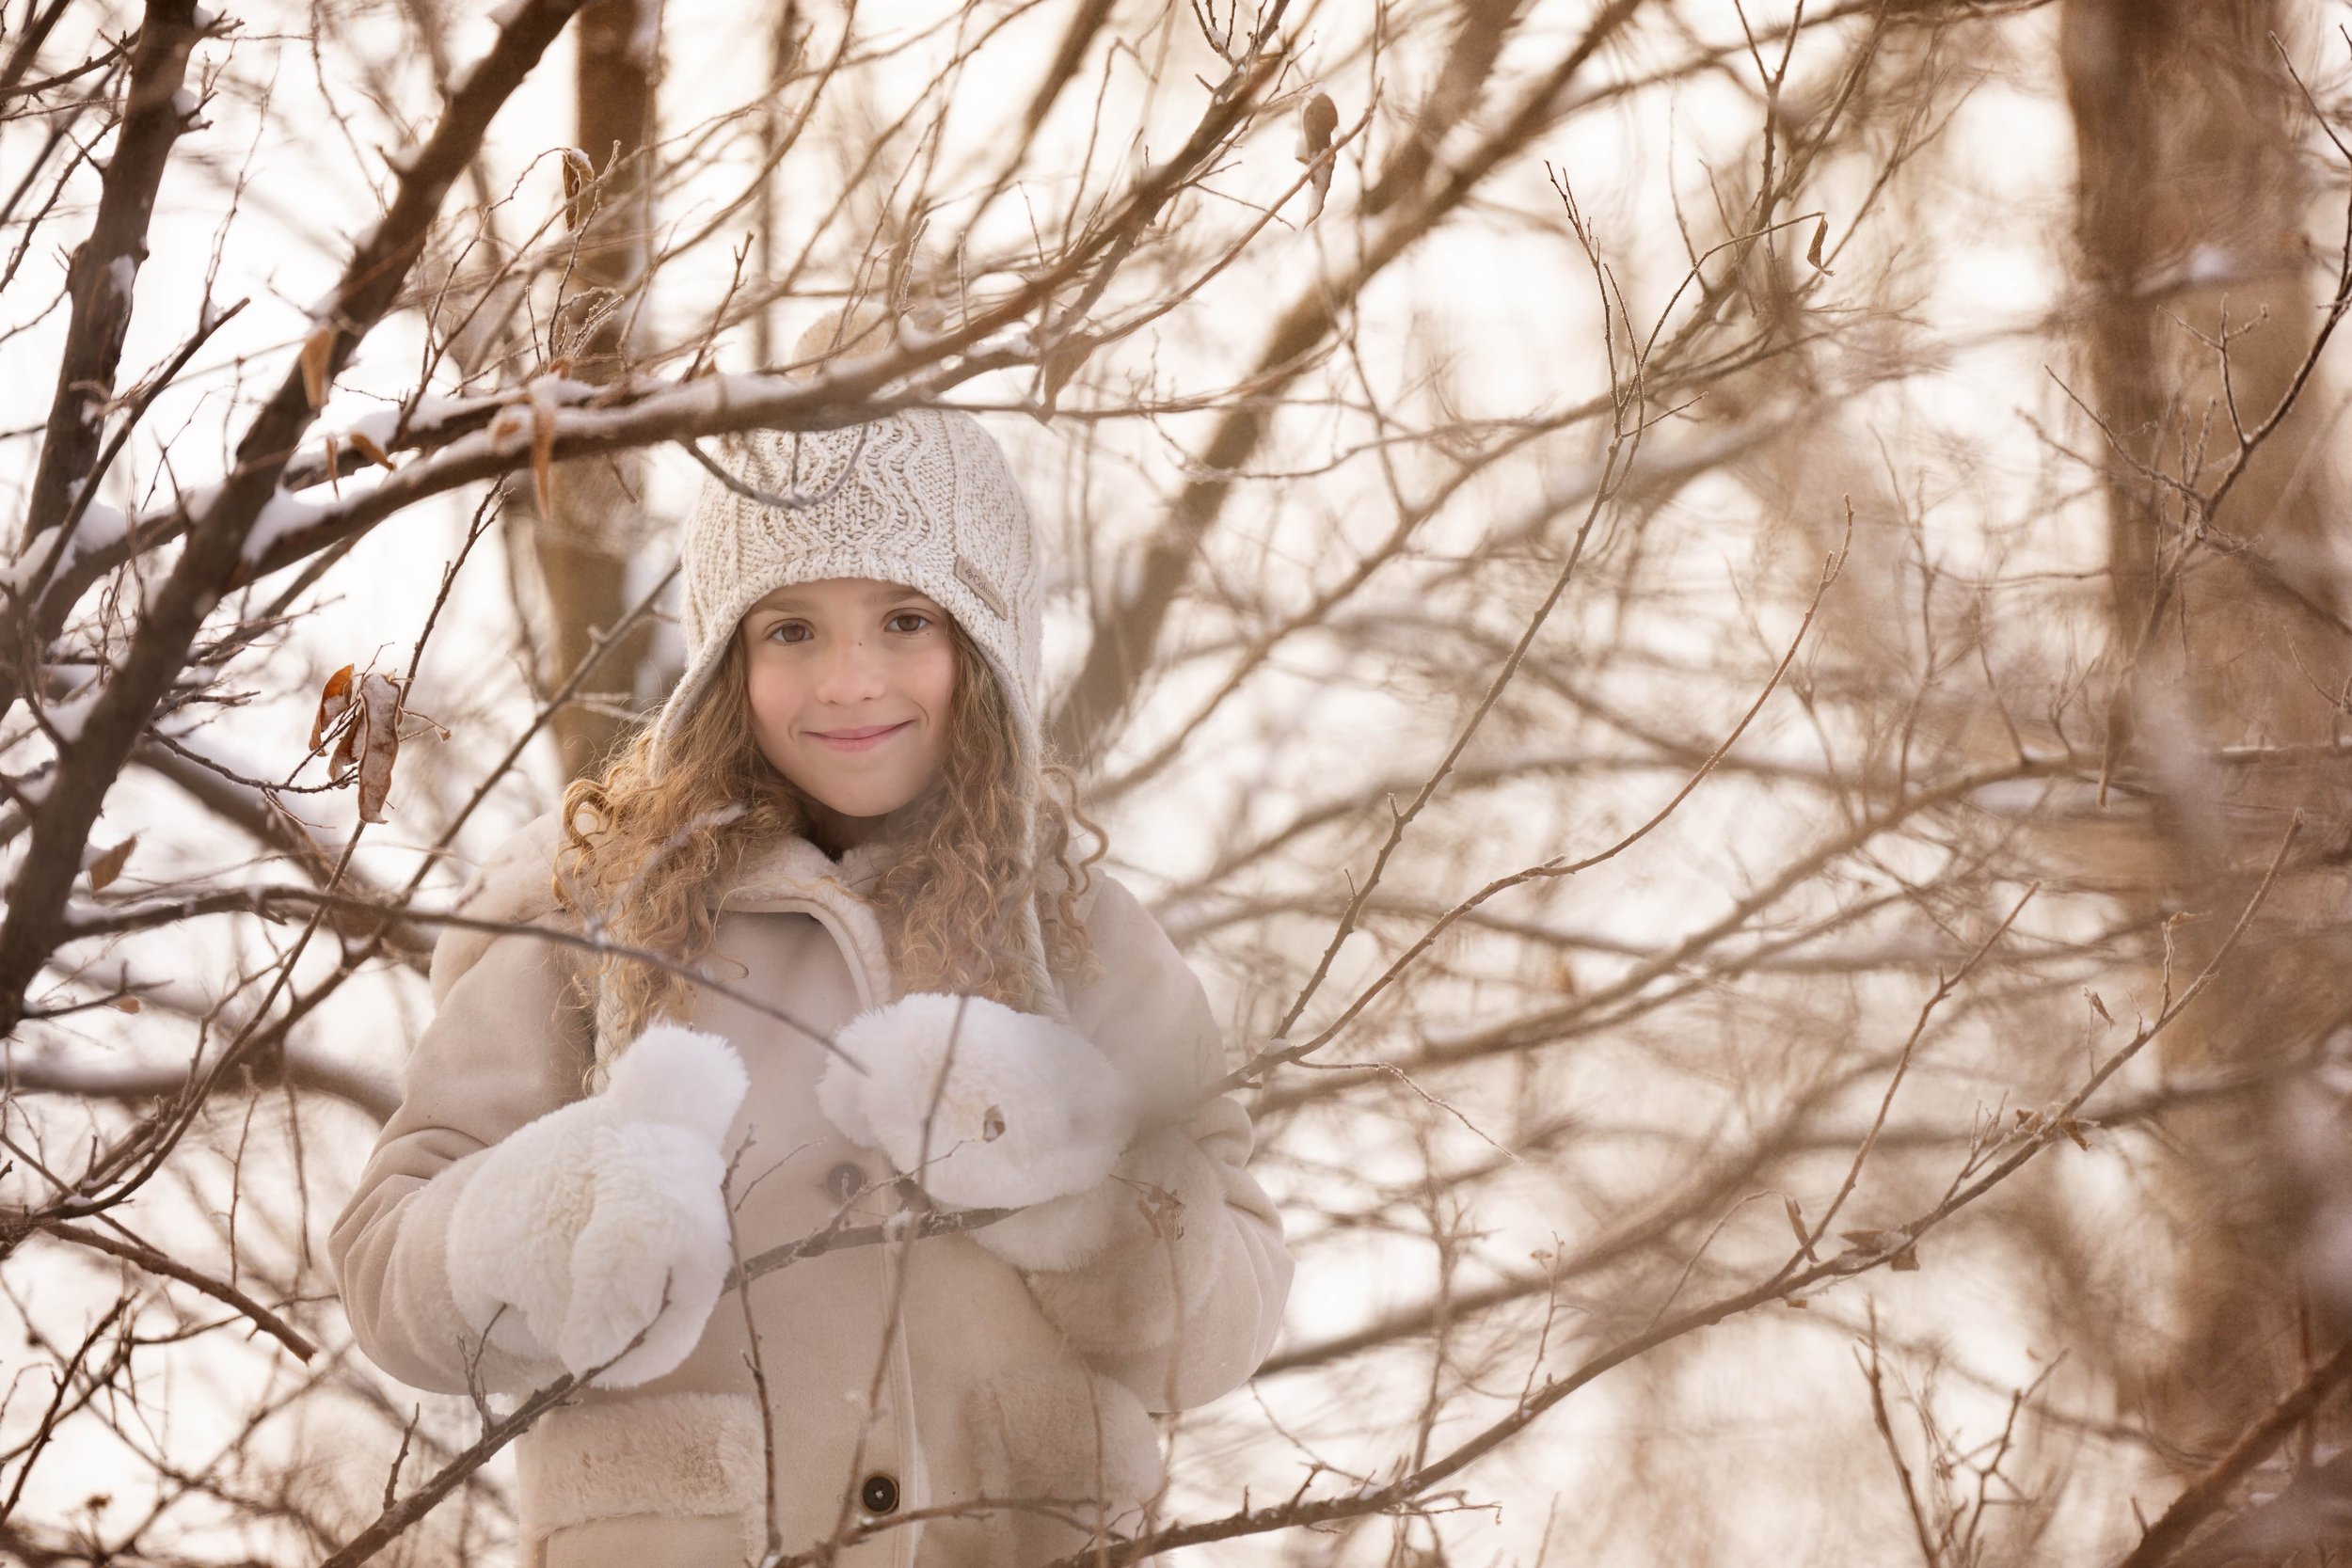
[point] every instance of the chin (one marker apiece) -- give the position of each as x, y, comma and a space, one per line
861, 803
864, 810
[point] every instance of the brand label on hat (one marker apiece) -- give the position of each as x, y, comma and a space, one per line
970, 575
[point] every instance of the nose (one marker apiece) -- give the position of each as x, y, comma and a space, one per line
850, 672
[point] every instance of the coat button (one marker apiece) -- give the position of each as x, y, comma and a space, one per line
879, 1494
845, 1180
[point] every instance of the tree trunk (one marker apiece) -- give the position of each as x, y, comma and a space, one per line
599, 522
2190, 219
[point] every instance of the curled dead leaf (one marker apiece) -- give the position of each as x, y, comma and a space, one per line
365, 718
123, 1003
1318, 121
378, 726
346, 748
1904, 1257
992, 1125
366, 447
106, 867
318, 359
334, 701
1813, 252
579, 174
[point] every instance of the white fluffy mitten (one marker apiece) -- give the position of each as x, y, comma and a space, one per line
1029, 1110
575, 1222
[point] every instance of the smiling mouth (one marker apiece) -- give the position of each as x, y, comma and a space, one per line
859, 739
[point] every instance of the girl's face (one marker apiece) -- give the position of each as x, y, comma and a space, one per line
849, 682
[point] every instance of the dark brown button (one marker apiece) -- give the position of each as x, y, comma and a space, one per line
845, 1180
880, 1494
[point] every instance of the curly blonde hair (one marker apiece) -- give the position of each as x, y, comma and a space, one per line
648, 838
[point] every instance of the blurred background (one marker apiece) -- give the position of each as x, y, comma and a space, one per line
1721, 628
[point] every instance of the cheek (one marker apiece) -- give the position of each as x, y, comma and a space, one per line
770, 693
931, 681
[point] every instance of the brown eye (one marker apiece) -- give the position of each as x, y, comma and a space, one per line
914, 615
786, 625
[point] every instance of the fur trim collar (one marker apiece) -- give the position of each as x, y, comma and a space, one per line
793, 865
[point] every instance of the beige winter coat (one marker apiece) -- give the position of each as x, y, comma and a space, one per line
999, 1385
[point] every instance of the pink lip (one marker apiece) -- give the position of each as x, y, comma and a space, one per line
859, 739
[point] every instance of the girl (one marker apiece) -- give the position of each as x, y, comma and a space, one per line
886, 990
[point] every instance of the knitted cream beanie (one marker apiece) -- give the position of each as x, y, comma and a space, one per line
922, 497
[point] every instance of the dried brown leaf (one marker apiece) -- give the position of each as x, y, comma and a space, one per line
106, 867
334, 698
579, 174
1318, 119
366, 447
378, 725
1796, 1223
992, 1125
1873, 1241
317, 357
1813, 252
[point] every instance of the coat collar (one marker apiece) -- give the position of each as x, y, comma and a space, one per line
791, 873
